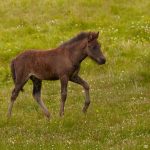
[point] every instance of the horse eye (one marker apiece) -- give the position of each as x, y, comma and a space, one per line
94, 47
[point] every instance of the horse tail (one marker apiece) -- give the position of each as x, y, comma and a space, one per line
13, 72
12, 66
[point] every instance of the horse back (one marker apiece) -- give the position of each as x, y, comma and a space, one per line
45, 65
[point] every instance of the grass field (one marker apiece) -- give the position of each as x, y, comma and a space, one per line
119, 115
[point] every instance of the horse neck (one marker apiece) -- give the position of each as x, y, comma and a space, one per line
78, 53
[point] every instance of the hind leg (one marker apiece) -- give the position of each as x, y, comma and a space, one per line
37, 95
14, 95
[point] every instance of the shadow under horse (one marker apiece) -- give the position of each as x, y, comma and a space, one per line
61, 63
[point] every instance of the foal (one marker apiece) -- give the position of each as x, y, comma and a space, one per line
62, 63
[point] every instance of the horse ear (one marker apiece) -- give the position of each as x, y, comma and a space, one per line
97, 34
90, 37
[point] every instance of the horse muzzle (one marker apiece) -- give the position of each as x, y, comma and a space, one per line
101, 61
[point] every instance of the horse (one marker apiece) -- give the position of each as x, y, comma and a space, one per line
61, 63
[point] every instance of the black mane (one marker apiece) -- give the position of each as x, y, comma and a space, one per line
79, 37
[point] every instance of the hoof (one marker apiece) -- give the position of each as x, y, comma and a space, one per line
48, 115
8, 115
84, 110
61, 114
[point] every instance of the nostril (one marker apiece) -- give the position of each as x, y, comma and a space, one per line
101, 60
104, 60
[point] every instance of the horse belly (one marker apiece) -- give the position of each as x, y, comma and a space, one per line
46, 76
44, 73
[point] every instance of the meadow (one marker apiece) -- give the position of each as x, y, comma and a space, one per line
119, 115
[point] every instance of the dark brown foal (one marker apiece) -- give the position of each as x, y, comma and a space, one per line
62, 63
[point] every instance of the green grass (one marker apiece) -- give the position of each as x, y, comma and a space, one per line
119, 114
